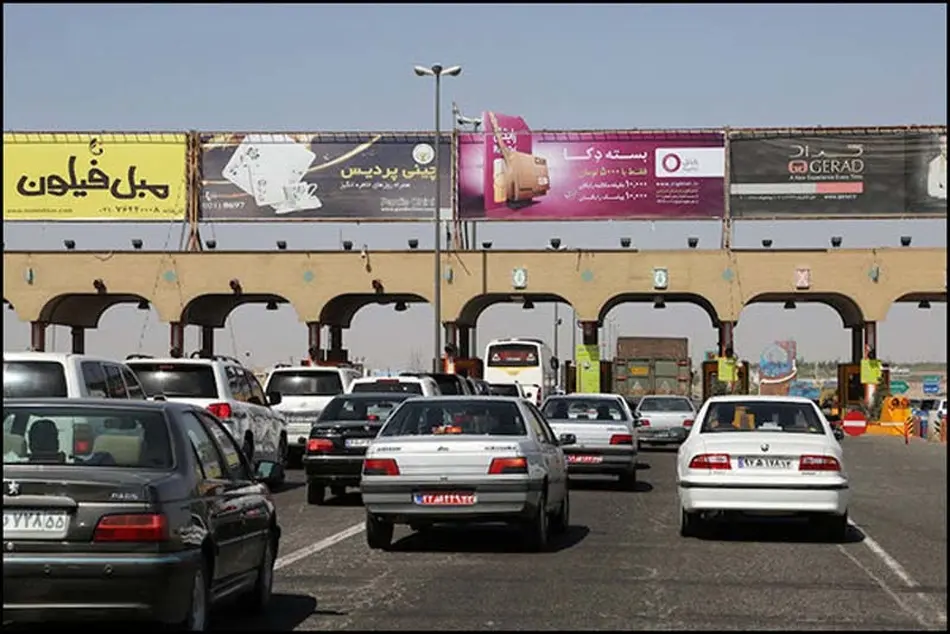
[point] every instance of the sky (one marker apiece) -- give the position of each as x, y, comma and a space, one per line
331, 67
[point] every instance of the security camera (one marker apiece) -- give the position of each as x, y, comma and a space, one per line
363, 254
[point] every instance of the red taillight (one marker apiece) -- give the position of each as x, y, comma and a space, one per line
380, 466
710, 461
644, 422
145, 527
818, 463
537, 398
315, 445
508, 465
621, 439
221, 410
372, 418
688, 424
82, 447
82, 439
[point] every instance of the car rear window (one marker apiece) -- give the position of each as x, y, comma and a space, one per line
456, 418
86, 437
768, 416
305, 383
344, 408
33, 379
651, 404
503, 389
407, 387
449, 384
176, 380
581, 409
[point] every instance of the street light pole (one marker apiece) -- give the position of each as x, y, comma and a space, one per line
437, 71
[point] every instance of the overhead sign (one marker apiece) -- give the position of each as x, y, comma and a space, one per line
931, 388
102, 176
855, 423
353, 176
511, 173
899, 387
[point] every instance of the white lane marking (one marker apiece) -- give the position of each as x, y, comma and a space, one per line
323, 544
938, 615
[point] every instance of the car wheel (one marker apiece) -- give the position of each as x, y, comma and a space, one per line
196, 619
264, 585
316, 493
338, 491
537, 530
562, 519
834, 528
379, 533
690, 522
283, 453
628, 480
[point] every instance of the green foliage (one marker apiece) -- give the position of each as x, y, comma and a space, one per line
877, 402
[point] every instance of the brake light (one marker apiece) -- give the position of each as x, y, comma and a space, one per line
621, 439
372, 418
710, 461
144, 527
221, 410
82, 442
319, 444
537, 398
380, 466
688, 424
644, 422
508, 465
818, 463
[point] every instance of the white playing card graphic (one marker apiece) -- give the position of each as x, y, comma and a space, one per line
262, 165
299, 197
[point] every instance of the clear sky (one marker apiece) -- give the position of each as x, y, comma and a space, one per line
337, 67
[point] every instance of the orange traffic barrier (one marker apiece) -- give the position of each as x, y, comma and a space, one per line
910, 429
942, 434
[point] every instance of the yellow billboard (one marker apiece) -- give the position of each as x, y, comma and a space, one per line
96, 176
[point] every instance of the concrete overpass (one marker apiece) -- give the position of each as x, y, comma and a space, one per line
328, 288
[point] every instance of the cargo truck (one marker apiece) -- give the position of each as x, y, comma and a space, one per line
652, 365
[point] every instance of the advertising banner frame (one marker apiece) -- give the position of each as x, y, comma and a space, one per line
360, 140
91, 179
899, 134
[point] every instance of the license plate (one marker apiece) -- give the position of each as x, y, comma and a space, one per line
759, 462
444, 499
572, 459
358, 442
35, 524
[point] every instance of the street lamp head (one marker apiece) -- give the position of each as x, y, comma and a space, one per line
422, 71
453, 71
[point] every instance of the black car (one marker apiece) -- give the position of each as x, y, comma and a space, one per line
124, 510
481, 387
449, 384
339, 438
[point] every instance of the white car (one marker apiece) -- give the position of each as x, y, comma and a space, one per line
67, 375
772, 455
463, 459
508, 389
664, 419
304, 392
419, 385
228, 390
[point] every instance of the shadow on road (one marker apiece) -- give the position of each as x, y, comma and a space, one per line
285, 613
589, 484
793, 531
669, 449
643, 466
287, 486
481, 539
347, 501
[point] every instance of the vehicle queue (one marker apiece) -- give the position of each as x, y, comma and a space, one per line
138, 485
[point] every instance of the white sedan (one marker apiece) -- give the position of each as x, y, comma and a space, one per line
772, 455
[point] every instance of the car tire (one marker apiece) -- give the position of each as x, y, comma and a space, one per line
537, 531
628, 480
562, 519
690, 523
197, 617
263, 588
316, 493
379, 533
338, 491
834, 528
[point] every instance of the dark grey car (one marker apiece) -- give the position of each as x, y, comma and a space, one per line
129, 509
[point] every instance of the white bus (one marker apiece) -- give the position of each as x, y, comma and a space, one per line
522, 360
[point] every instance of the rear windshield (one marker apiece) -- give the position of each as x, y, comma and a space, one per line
581, 409
650, 404
406, 387
305, 383
348, 408
752, 416
465, 418
80, 436
503, 389
33, 379
449, 384
176, 380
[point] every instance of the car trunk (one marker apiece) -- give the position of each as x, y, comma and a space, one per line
348, 437
766, 456
447, 455
589, 433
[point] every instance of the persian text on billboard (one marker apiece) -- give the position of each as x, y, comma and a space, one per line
104, 176
321, 177
510, 173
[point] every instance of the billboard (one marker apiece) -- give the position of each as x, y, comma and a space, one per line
509, 172
889, 172
96, 176
352, 176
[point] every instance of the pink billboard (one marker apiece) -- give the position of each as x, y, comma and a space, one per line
509, 172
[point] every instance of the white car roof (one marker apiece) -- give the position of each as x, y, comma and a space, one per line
586, 396
473, 398
61, 357
665, 396
740, 398
305, 368
401, 379
181, 361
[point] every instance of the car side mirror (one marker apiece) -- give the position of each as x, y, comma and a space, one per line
274, 398
268, 472
839, 433
555, 363
566, 439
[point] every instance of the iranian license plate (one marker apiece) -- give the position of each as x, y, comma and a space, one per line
575, 459
444, 499
358, 442
760, 462
35, 524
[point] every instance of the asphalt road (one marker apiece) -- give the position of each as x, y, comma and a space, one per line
623, 565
